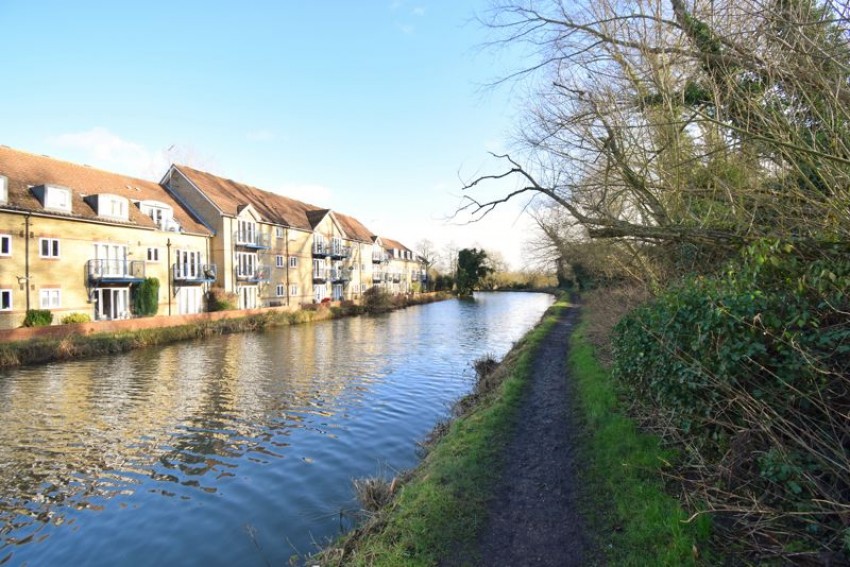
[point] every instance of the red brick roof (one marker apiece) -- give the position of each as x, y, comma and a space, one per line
24, 170
354, 229
387, 243
229, 196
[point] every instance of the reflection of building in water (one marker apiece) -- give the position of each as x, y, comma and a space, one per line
77, 430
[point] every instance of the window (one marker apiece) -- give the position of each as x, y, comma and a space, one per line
48, 247
187, 264
153, 254
246, 264
5, 299
4, 189
293, 261
246, 232
355, 288
278, 261
278, 231
161, 214
280, 290
5, 245
293, 289
50, 298
57, 198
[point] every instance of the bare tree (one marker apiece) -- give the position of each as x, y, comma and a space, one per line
707, 123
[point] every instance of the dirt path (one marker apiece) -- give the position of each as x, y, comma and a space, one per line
534, 517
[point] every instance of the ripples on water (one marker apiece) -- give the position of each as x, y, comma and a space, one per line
237, 449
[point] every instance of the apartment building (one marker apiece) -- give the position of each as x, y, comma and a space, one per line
75, 239
273, 250
397, 268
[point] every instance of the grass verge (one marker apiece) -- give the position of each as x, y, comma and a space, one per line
438, 512
647, 526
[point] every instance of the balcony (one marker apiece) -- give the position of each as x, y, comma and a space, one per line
378, 276
321, 274
115, 271
340, 252
396, 278
321, 250
379, 258
259, 275
340, 275
194, 273
257, 241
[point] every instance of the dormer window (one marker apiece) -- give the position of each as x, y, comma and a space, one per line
4, 189
110, 206
53, 197
246, 232
161, 214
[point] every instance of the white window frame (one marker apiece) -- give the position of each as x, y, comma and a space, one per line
50, 298
153, 254
53, 248
4, 189
189, 264
293, 261
246, 264
293, 289
279, 261
6, 299
278, 231
246, 232
57, 198
6, 242
280, 290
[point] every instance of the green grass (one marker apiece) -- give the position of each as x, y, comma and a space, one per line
439, 513
647, 526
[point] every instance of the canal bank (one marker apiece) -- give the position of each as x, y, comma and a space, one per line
38, 345
541, 467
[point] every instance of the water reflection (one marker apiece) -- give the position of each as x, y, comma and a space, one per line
234, 449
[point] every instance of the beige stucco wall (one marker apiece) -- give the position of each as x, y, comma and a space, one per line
67, 273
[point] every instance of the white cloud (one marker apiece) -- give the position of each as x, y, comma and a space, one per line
318, 195
406, 29
101, 148
418, 11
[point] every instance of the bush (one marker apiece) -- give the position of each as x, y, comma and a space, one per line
76, 318
146, 297
38, 318
220, 300
377, 300
751, 370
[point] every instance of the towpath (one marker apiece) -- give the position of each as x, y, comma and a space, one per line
535, 515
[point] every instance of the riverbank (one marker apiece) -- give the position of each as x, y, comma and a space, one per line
83, 340
452, 508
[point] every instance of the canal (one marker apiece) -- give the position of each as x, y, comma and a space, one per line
237, 449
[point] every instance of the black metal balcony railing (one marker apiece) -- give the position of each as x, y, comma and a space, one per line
396, 278
257, 241
194, 273
379, 258
378, 276
118, 271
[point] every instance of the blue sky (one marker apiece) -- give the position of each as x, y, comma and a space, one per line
372, 108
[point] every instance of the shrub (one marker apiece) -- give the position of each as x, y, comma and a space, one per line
220, 300
38, 318
76, 318
377, 300
146, 297
751, 370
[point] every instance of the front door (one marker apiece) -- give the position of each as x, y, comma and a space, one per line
111, 303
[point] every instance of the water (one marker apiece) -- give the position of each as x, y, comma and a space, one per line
237, 449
